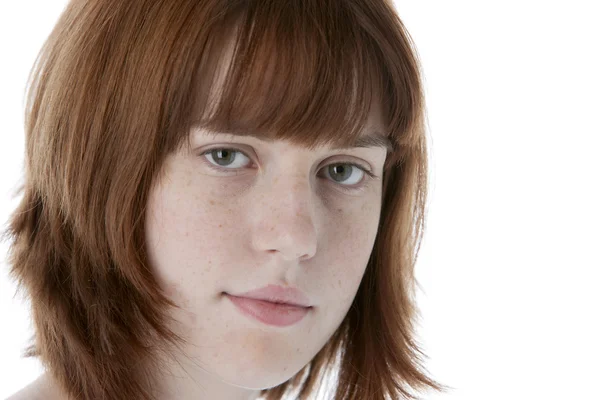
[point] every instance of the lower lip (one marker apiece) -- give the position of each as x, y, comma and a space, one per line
270, 313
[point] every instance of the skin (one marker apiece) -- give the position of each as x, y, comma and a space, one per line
281, 218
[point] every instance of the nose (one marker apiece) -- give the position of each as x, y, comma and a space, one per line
284, 218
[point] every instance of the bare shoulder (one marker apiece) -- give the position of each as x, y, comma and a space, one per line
41, 388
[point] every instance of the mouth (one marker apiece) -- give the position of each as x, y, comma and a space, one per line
270, 313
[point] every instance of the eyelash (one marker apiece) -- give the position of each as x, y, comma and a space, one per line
368, 174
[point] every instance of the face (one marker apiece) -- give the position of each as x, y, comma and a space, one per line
261, 213
274, 214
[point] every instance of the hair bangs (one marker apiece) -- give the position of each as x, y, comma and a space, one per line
295, 71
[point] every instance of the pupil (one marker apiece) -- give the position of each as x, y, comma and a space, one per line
336, 170
222, 156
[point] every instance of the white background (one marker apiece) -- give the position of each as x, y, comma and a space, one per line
509, 264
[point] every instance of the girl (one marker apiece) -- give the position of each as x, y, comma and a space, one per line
223, 200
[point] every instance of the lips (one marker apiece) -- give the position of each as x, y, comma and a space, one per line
279, 315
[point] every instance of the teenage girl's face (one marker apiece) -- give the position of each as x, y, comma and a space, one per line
261, 213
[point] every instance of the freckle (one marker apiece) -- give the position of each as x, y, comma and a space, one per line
212, 203
220, 225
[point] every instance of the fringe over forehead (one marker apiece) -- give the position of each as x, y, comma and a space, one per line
302, 71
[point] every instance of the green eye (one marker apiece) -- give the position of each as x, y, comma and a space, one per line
224, 157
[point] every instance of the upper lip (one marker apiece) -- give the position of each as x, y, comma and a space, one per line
278, 294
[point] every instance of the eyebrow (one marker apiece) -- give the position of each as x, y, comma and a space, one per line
374, 139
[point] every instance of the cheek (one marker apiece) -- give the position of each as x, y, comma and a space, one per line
179, 216
189, 232
350, 245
